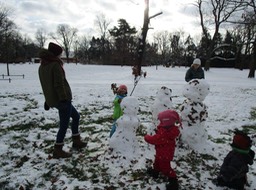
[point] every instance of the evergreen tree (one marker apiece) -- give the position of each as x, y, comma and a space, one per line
124, 42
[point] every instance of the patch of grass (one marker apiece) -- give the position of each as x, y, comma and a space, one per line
28, 126
207, 157
222, 140
249, 129
4, 185
141, 131
21, 161
22, 142
87, 129
31, 105
195, 163
22, 127
138, 175
102, 120
75, 172
253, 113
49, 126
2, 118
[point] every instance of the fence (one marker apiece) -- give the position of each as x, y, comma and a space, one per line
9, 79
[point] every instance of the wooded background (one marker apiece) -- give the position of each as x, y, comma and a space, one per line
235, 48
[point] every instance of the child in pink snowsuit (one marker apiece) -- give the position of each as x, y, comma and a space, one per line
165, 142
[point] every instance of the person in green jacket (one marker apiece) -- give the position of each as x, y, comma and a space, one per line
57, 93
195, 71
121, 92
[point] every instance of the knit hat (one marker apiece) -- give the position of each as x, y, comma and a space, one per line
122, 89
196, 61
241, 141
169, 118
55, 49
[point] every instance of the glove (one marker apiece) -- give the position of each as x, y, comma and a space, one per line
46, 107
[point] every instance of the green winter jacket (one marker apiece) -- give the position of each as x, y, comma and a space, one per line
52, 78
118, 112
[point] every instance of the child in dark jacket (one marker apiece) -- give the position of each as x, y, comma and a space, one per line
165, 142
195, 71
235, 166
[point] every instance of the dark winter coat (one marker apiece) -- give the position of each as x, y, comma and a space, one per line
53, 80
235, 167
193, 73
164, 141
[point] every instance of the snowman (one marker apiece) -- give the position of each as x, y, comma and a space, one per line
124, 142
162, 102
194, 113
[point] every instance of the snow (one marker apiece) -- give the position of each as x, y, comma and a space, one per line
27, 131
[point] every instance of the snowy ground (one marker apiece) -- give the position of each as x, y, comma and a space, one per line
27, 132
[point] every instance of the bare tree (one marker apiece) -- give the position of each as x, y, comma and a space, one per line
102, 23
249, 21
83, 50
246, 26
161, 39
65, 37
142, 38
221, 11
41, 37
7, 32
4, 13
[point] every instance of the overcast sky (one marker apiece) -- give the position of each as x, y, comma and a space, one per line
30, 15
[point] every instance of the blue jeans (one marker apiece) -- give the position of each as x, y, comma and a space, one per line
113, 129
67, 111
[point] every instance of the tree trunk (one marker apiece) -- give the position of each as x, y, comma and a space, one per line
253, 62
8, 71
142, 39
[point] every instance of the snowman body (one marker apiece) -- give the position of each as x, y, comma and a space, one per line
124, 141
194, 113
163, 101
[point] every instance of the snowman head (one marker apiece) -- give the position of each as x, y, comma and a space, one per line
164, 93
130, 106
196, 90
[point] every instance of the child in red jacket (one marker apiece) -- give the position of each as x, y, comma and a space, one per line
165, 141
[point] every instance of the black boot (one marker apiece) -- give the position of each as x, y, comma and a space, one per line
152, 172
77, 143
59, 153
172, 184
